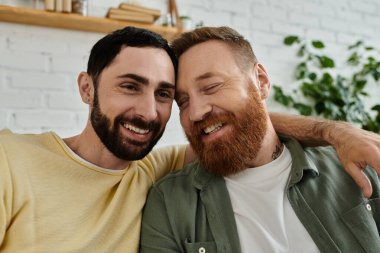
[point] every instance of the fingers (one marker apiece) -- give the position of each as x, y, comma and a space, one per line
374, 162
360, 179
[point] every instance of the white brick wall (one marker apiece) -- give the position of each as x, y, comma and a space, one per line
45, 118
21, 79
3, 119
39, 66
23, 60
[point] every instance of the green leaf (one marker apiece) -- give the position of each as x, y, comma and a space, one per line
376, 108
353, 59
290, 40
371, 59
326, 79
338, 96
317, 44
301, 70
365, 94
326, 62
357, 44
376, 75
372, 126
319, 107
280, 97
311, 90
301, 51
313, 76
303, 109
359, 85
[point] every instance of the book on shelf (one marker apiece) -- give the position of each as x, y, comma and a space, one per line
156, 13
115, 13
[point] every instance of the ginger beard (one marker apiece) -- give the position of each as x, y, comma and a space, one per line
230, 154
111, 136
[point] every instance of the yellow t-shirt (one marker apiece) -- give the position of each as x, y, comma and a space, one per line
52, 201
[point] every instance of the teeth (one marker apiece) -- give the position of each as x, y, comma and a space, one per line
135, 129
213, 128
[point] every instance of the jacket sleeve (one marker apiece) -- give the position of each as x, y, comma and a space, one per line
156, 233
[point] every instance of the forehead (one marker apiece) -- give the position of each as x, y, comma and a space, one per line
146, 61
207, 57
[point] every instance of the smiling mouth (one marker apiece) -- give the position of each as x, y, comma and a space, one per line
213, 128
135, 129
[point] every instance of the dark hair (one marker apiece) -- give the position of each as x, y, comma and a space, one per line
106, 49
240, 46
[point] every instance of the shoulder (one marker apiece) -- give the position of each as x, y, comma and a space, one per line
179, 182
168, 152
328, 156
26, 148
326, 162
323, 156
7, 138
159, 162
332, 176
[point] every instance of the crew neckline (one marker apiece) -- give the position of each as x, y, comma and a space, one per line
84, 162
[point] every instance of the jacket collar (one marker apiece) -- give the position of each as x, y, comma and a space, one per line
301, 164
201, 177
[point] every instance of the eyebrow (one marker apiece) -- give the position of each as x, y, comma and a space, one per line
166, 85
135, 77
145, 81
205, 76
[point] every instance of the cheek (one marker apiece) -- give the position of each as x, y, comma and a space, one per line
165, 112
185, 123
237, 99
116, 106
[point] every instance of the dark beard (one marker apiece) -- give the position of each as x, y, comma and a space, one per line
122, 147
230, 154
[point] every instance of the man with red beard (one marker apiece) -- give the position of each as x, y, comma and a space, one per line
251, 190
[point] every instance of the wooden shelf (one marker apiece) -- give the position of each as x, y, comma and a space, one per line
75, 21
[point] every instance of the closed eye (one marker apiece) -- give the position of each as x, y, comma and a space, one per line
211, 88
182, 102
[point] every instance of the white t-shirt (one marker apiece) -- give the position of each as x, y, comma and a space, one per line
265, 219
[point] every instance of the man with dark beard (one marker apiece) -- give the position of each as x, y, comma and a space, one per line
85, 193
250, 191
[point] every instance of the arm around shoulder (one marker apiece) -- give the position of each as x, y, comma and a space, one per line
356, 148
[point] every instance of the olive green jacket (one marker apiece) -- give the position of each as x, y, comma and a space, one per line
190, 211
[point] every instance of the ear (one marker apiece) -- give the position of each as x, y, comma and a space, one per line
263, 81
86, 87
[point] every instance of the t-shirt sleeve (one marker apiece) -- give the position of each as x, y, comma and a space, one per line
164, 160
5, 195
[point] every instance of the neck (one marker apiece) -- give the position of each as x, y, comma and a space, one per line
88, 146
270, 150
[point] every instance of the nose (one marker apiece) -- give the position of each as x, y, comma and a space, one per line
146, 108
199, 108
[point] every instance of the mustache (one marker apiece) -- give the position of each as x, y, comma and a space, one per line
138, 122
211, 119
